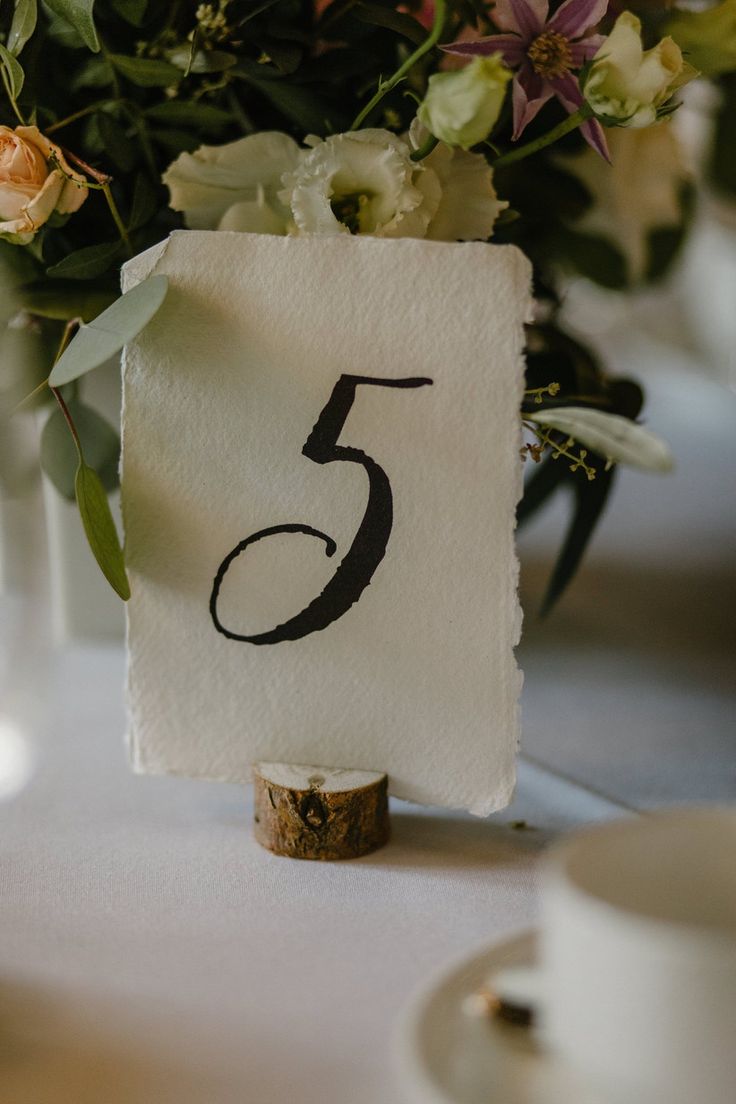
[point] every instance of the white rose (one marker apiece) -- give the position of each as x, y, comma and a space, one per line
35, 181
627, 83
235, 186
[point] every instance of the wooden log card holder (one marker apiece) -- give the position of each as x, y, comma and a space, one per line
319, 813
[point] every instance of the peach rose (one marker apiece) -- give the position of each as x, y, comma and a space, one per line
35, 181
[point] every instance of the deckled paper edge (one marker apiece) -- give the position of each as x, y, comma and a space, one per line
133, 272
507, 784
144, 265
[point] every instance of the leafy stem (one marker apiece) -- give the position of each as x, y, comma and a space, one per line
99, 183
69, 331
121, 227
538, 393
562, 449
30, 396
11, 97
69, 421
572, 122
385, 86
425, 149
82, 113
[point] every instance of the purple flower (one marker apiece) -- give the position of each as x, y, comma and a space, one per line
544, 51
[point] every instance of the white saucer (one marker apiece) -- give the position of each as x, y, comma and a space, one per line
448, 1056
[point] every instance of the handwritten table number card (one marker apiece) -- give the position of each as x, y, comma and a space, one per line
320, 474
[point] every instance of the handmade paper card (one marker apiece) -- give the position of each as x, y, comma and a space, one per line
320, 473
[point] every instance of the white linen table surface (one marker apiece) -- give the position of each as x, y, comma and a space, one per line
152, 953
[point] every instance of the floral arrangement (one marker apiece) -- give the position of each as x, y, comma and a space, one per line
446, 119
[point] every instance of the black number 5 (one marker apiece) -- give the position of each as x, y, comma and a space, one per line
369, 544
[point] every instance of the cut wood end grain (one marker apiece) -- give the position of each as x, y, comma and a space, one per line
319, 813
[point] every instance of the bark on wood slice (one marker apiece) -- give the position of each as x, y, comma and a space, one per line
319, 813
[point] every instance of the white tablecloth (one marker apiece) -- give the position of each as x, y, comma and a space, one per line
153, 953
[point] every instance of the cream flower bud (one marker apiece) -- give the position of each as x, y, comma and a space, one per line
628, 84
461, 107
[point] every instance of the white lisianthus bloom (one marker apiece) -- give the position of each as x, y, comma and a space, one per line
627, 84
235, 186
468, 206
362, 182
365, 182
461, 107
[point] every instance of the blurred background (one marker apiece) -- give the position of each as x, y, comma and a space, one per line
629, 680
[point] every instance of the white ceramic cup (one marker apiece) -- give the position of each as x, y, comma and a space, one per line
638, 957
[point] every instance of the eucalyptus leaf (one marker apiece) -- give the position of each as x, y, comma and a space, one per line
146, 72
86, 263
99, 527
95, 343
25, 17
609, 435
58, 453
79, 14
13, 70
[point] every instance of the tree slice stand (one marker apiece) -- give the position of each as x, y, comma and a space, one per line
319, 813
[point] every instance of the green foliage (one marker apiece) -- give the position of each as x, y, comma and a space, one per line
13, 75
100, 528
25, 16
146, 72
102, 338
132, 11
555, 356
85, 263
100, 443
201, 117
126, 85
63, 300
78, 14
